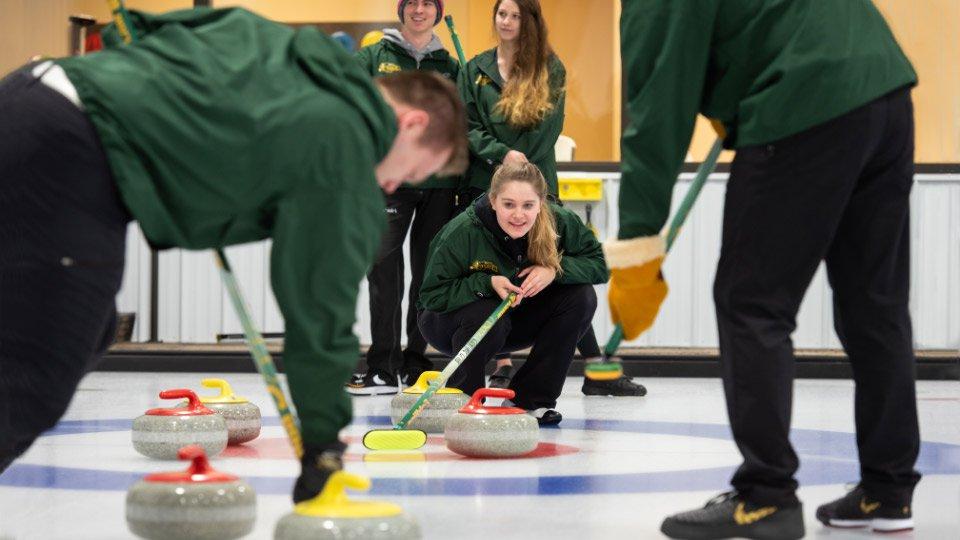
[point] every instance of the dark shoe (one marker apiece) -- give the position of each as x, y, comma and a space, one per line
624, 386
316, 466
857, 510
372, 384
414, 364
546, 417
501, 377
730, 516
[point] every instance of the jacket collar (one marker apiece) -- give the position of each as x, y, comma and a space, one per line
487, 64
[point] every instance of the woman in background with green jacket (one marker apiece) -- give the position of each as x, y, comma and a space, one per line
514, 95
513, 241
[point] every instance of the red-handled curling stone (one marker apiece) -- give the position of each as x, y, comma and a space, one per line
161, 432
478, 430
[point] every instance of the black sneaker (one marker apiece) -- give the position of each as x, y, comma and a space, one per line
501, 377
729, 516
414, 364
624, 386
372, 384
857, 510
546, 417
316, 466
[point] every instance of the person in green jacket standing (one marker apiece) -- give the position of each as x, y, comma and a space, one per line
421, 210
814, 96
214, 128
515, 96
513, 241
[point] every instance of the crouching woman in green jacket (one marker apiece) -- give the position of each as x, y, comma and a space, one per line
513, 241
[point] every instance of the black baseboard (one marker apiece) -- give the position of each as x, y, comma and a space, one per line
674, 363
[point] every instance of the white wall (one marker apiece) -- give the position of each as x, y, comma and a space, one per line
194, 307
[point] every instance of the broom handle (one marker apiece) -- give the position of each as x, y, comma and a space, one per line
261, 356
709, 163
452, 366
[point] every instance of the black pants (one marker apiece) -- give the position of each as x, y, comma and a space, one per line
550, 322
62, 234
838, 192
423, 212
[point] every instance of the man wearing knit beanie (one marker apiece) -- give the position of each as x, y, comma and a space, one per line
422, 210
437, 4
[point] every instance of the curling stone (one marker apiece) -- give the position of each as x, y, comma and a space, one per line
199, 503
243, 417
161, 432
332, 515
439, 409
481, 431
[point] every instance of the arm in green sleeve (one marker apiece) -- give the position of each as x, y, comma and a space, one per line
665, 49
582, 259
482, 143
323, 245
365, 57
540, 142
445, 288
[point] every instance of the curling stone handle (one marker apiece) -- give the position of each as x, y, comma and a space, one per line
425, 378
221, 384
199, 462
180, 393
335, 490
477, 399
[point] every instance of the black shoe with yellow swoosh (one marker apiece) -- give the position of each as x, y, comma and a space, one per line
858, 510
730, 516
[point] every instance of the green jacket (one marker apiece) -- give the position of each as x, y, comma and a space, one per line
466, 254
220, 128
766, 68
386, 57
490, 135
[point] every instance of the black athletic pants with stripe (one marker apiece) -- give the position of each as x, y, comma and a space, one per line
838, 192
62, 235
422, 212
551, 323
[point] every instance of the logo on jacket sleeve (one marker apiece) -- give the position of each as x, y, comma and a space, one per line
484, 266
388, 67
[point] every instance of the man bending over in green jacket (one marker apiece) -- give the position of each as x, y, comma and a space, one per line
214, 128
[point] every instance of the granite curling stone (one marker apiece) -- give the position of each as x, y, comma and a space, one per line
197, 504
444, 404
331, 515
162, 432
242, 417
491, 432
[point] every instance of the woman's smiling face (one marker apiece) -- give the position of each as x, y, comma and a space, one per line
517, 207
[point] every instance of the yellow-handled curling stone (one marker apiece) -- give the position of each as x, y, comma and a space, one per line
478, 430
331, 515
441, 407
162, 432
199, 503
242, 416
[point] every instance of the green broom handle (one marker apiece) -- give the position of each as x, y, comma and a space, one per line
454, 363
456, 42
261, 356
677, 223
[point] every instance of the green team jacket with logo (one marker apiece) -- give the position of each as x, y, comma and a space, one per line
465, 255
220, 128
766, 68
386, 57
490, 135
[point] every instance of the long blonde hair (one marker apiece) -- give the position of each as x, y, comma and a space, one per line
527, 98
542, 244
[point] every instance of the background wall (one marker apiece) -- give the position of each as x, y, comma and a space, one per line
584, 34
